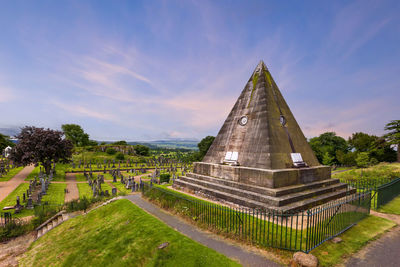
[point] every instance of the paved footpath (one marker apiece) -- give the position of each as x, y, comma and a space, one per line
73, 192
246, 258
382, 252
7, 187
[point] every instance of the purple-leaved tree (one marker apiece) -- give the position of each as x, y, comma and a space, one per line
39, 145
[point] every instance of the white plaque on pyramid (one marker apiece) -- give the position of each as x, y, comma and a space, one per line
296, 157
235, 156
228, 155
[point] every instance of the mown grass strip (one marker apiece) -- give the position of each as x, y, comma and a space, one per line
55, 194
10, 200
10, 174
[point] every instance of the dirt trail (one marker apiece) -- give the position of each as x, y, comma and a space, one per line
72, 188
7, 187
10, 250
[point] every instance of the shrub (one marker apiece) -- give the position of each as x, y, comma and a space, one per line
78, 204
164, 178
14, 229
111, 151
43, 213
362, 159
120, 156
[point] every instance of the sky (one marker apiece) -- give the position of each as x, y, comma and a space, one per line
146, 70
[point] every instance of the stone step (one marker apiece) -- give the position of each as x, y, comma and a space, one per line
269, 200
316, 201
274, 192
222, 195
251, 203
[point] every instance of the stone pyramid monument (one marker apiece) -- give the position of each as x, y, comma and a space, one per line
260, 157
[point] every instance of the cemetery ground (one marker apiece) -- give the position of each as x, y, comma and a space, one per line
329, 253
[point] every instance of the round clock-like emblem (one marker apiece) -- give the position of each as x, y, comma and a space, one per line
243, 120
282, 120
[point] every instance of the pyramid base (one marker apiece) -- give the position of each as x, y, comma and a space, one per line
263, 177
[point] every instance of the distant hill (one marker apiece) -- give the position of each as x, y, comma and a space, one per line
10, 131
168, 143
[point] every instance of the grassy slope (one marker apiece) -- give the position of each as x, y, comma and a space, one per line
10, 200
10, 174
129, 237
353, 240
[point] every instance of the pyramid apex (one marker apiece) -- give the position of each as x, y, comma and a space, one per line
260, 66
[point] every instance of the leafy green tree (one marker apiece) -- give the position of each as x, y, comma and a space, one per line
328, 159
204, 145
393, 137
381, 151
5, 142
92, 143
362, 142
119, 156
346, 159
75, 133
142, 150
39, 145
111, 151
329, 143
120, 143
362, 159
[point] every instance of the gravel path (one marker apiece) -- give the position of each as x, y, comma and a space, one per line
72, 188
7, 187
245, 257
382, 252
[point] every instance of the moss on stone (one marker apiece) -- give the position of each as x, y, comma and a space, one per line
255, 79
268, 76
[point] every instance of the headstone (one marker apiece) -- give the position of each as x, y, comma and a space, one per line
114, 191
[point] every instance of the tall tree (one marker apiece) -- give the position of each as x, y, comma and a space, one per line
39, 145
393, 137
362, 142
142, 150
75, 133
204, 145
329, 143
5, 142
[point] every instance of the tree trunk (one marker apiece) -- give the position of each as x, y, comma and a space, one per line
47, 167
398, 152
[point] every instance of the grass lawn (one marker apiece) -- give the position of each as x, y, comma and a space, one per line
10, 200
34, 173
119, 234
354, 239
382, 170
10, 174
121, 188
392, 207
55, 194
80, 177
85, 190
59, 176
